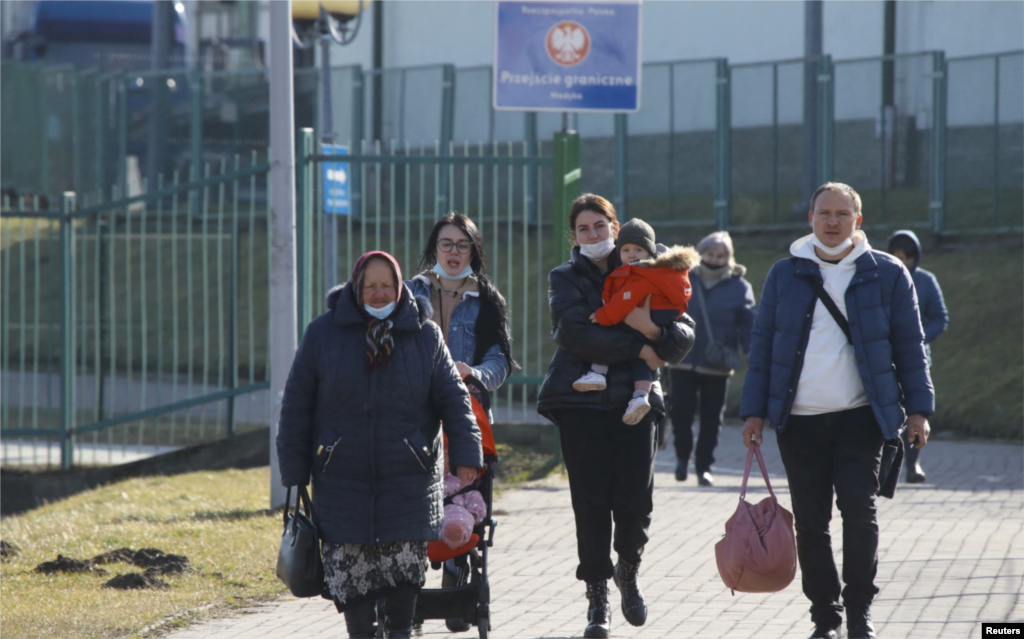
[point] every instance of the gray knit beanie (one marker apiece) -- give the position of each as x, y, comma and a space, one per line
638, 232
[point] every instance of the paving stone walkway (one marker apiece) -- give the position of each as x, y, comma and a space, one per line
951, 556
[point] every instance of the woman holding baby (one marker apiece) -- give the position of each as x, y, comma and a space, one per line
615, 315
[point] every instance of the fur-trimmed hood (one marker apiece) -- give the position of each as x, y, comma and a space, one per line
677, 258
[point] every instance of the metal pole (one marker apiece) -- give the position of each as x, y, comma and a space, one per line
67, 333
330, 229
809, 141
196, 89
723, 143
937, 185
888, 115
163, 19
282, 215
304, 232
621, 157
532, 150
378, 68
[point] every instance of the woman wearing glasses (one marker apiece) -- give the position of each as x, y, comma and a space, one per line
470, 311
474, 322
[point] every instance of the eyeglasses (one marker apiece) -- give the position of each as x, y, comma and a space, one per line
445, 246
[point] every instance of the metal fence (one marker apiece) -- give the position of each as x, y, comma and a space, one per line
399, 190
714, 145
134, 325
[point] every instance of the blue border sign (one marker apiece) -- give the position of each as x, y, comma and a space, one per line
567, 56
337, 195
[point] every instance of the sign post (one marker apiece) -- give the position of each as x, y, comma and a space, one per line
570, 56
337, 201
567, 56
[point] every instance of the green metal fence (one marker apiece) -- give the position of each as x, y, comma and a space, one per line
984, 143
401, 189
137, 324
714, 144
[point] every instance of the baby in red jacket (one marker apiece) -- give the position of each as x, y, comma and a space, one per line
664, 275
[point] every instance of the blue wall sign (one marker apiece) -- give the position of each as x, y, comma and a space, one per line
567, 56
337, 195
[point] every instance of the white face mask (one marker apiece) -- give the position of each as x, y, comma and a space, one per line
831, 250
380, 313
439, 270
598, 250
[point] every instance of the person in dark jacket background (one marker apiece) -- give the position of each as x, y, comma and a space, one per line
610, 464
362, 410
719, 287
834, 394
904, 246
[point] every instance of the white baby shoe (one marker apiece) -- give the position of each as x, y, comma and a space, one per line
637, 409
590, 382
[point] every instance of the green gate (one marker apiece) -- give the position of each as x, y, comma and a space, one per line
399, 190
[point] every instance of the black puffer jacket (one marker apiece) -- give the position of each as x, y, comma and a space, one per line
574, 293
382, 480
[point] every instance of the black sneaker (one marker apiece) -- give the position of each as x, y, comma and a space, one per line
705, 479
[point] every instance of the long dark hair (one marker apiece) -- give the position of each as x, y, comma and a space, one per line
492, 325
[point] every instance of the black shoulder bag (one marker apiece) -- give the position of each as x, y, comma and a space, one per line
892, 452
299, 564
717, 353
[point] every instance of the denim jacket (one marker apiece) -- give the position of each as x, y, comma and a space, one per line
494, 368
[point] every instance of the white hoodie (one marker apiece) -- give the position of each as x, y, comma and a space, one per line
829, 380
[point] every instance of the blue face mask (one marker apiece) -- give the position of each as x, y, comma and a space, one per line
380, 313
466, 272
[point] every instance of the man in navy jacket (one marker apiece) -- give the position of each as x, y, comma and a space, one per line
834, 394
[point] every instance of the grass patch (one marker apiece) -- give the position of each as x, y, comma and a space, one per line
217, 519
521, 463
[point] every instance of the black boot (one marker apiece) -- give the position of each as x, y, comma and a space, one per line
634, 608
681, 470
858, 623
824, 632
360, 621
599, 614
400, 607
449, 580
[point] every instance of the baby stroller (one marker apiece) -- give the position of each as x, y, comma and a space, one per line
469, 596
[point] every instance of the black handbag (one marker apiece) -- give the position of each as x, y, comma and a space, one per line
299, 564
717, 354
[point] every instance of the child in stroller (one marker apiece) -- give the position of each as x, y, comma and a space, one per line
464, 599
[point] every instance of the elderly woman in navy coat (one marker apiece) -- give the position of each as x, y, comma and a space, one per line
371, 383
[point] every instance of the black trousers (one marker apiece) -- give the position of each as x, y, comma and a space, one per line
611, 479
839, 450
712, 389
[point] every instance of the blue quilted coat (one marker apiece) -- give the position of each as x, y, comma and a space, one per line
372, 442
887, 337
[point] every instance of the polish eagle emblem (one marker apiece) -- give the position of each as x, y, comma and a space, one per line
568, 43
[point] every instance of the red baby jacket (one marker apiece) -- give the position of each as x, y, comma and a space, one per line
665, 278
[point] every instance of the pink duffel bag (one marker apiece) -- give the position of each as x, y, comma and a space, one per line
758, 552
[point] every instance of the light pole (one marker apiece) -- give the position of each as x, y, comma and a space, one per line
283, 307
335, 22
